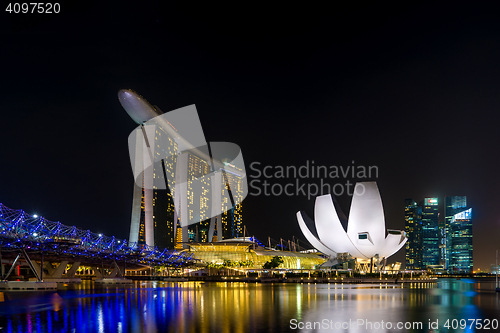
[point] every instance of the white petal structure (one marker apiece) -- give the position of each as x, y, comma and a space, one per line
366, 235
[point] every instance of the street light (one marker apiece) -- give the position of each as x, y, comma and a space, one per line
35, 216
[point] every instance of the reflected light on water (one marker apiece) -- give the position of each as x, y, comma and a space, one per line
240, 307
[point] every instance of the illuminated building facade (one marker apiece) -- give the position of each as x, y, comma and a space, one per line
413, 229
198, 203
166, 227
461, 250
442, 243
254, 256
180, 188
430, 231
431, 242
227, 225
231, 220
452, 205
153, 209
422, 230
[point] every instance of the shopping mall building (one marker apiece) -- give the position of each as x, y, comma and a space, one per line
247, 254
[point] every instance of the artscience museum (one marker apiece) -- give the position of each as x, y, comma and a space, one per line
363, 237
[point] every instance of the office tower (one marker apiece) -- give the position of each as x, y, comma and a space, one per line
442, 243
461, 251
413, 229
430, 232
446, 242
452, 205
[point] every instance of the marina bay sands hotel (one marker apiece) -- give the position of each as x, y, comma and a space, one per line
185, 189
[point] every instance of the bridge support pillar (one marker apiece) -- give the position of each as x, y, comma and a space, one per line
59, 270
56, 273
36, 267
101, 273
97, 272
72, 271
114, 272
48, 266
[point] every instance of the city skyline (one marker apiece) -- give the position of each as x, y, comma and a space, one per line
440, 234
378, 88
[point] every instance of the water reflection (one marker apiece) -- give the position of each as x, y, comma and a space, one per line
242, 307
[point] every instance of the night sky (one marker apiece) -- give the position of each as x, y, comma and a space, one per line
412, 90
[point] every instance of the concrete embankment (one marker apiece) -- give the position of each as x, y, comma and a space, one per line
311, 280
284, 280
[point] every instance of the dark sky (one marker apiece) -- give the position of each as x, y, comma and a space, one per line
412, 90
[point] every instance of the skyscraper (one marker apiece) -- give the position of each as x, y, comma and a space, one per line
198, 203
461, 259
413, 229
152, 207
446, 242
442, 242
231, 220
430, 231
184, 187
230, 185
452, 205
158, 205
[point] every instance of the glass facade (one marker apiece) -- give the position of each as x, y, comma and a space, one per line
452, 205
446, 243
217, 253
430, 232
461, 251
413, 229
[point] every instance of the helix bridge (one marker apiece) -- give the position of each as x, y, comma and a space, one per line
34, 237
